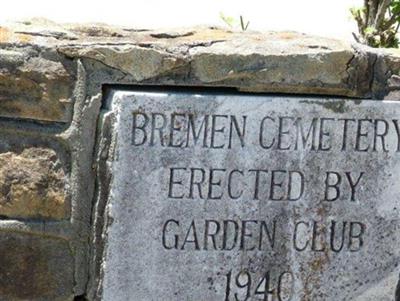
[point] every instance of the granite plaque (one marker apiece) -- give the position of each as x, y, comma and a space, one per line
241, 197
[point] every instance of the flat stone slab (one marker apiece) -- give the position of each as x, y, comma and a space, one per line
238, 197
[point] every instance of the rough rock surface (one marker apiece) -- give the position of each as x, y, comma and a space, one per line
32, 185
34, 268
184, 212
53, 79
37, 74
35, 82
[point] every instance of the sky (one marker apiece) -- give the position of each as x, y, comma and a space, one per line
330, 18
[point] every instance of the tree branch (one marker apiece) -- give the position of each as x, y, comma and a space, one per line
397, 29
380, 15
366, 13
389, 23
373, 7
356, 37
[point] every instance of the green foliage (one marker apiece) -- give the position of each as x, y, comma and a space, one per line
356, 11
378, 23
232, 22
369, 30
395, 8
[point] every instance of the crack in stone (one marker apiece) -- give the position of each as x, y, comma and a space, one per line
373, 70
50, 34
167, 35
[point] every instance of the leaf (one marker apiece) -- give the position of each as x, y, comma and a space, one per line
356, 11
395, 7
227, 19
369, 30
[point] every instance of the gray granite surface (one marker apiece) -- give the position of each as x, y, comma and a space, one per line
233, 197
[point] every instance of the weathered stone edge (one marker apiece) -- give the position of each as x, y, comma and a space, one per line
213, 58
38, 73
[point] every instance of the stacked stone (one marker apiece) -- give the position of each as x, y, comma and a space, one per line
54, 148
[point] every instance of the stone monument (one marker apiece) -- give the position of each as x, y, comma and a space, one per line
196, 164
236, 197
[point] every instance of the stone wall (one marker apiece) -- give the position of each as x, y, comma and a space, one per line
53, 79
